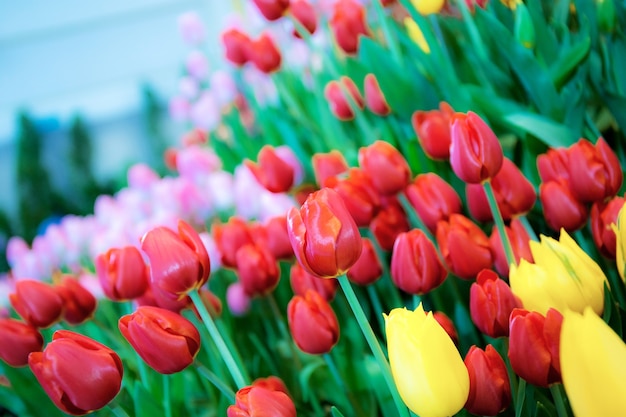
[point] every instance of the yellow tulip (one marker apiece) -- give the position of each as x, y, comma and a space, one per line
593, 365
426, 365
426, 7
562, 277
511, 4
416, 35
620, 249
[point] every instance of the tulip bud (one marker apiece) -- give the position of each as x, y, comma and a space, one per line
179, 262
340, 104
426, 366
490, 390
464, 246
359, 195
273, 234
491, 303
560, 208
348, 23
19, 339
524, 29
433, 131
520, 243
475, 151
264, 54
386, 167
416, 34
313, 324
433, 199
258, 401
326, 165
323, 234
238, 46
122, 273
157, 297
367, 269
620, 243
272, 9
303, 12
79, 374
447, 325
272, 172
301, 281
562, 277
593, 362
80, 304
426, 7
415, 265
374, 97
257, 270
272, 383
603, 218
553, 165
534, 346
37, 303
165, 340
389, 223
230, 237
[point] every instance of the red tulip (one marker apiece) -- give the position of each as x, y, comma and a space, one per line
464, 246
313, 324
534, 346
342, 106
165, 340
212, 303
275, 236
490, 390
358, 193
433, 131
367, 269
323, 234
272, 9
37, 303
179, 262
156, 297
272, 171
520, 243
447, 325
229, 237
603, 215
595, 171
257, 270
272, 383
374, 97
415, 265
326, 165
386, 167
475, 151
301, 281
79, 374
553, 165
560, 208
122, 273
348, 23
264, 54
491, 303
389, 223
515, 195
304, 12
238, 46
80, 304
19, 339
433, 199
258, 401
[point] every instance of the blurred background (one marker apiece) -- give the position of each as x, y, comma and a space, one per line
84, 88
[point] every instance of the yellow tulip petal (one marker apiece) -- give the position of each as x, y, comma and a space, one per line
426, 7
416, 35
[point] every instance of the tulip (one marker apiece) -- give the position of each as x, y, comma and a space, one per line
386, 167
340, 104
257, 270
367, 269
37, 303
326, 165
433, 131
491, 303
389, 223
433, 199
515, 195
347, 24
562, 277
560, 208
490, 390
620, 243
157, 297
19, 339
230, 237
475, 151
264, 54
80, 304
448, 325
534, 346
520, 243
258, 401
415, 34
415, 265
553, 165
464, 246
593, 365
238, 46
122, 273
274, 235
603, 218
313, 323
273, 172
359, 195
301, 281
272, 383
595, 171
211, 302
79, 374
374, 97
323, 235
179, 262
303, 12
426, 7
165, 340
272, 9
426, 366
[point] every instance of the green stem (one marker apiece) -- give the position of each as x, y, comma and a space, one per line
216, 381
342, 385
414, 219
529, 228
282, 328
370, 337
472, 30
371, 291
559, 401
167, 403
520, 397
384, 25
497, 218
231, 364
117, 410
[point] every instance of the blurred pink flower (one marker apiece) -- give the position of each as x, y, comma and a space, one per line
212, 250
197, 162
219, 186
91, 283
179, 108
237, 300
205, 112
191, 28
197, 65
223, 87
287, 155
188, 87
141, 176
263, 86
16, 248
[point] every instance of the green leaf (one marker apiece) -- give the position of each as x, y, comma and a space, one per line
27, 389
145, 404
305, 376
549, 132
568, 61
335, 412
